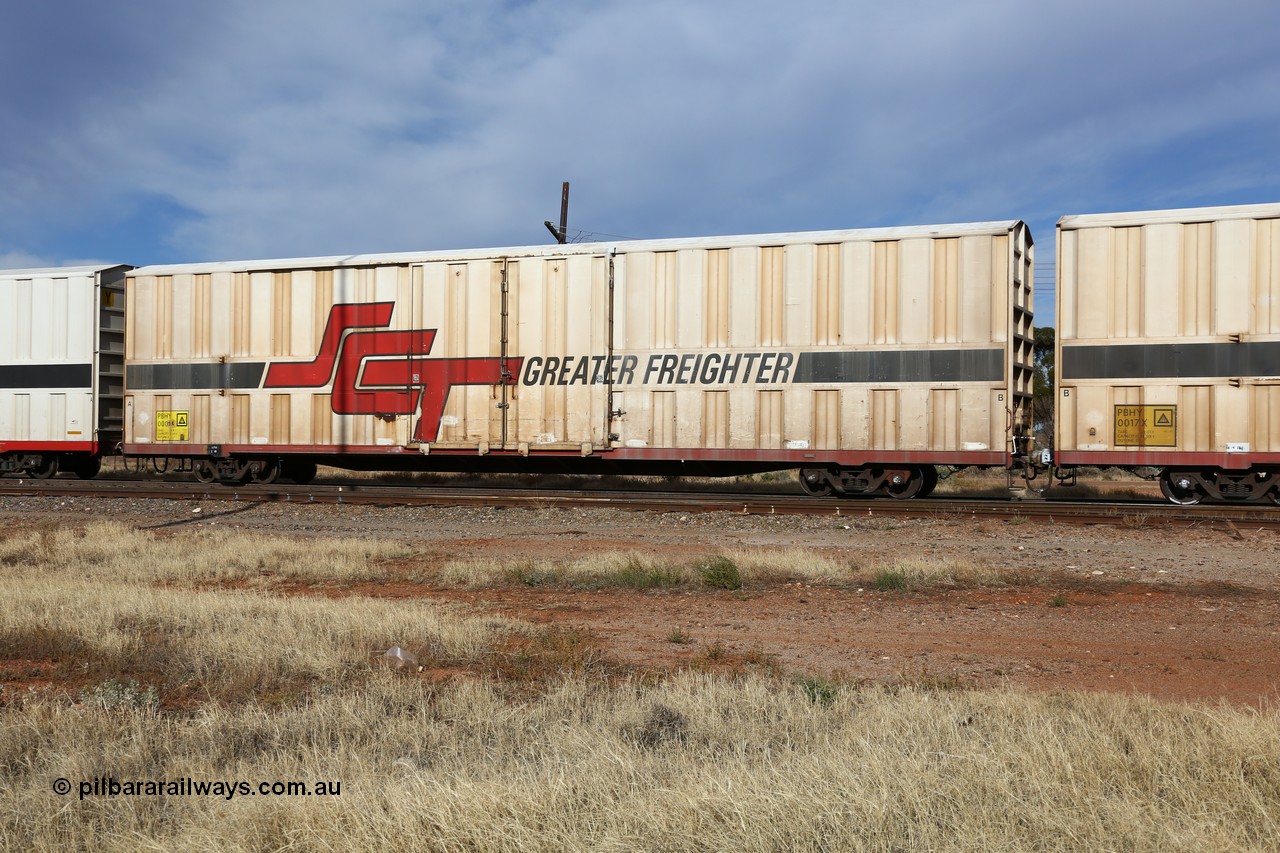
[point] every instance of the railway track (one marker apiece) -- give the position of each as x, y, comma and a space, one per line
1129, 512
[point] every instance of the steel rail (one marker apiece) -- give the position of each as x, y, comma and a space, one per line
1075, 511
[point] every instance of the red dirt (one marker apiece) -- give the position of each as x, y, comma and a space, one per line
1171, 643
1177, 613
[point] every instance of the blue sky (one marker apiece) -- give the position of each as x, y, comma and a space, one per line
152, 131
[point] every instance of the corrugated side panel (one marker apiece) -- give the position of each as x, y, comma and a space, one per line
48, 336
377, 357
558, 317
462, 303
1183, 317
206, 343
903, 344
826, 346
1266, 418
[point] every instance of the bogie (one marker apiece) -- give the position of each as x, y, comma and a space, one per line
1189, 487
1181, 488
905, 484
86, 467
265, 471
44, 467
900, 483
816, 482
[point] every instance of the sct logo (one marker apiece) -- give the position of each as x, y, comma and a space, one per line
386, 372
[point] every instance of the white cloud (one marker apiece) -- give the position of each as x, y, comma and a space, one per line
308, 128
22, 261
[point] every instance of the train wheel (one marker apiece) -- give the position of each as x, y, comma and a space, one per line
268, 473
47, 468
1275, 495
203, 472
814, 482
1180, 489
87, 468
911, 488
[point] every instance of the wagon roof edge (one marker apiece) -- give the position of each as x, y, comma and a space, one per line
61, 271
558, 250
1170, 216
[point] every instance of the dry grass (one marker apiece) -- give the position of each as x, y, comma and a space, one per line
915, 574
978, 483
109, 604
693, 763
112, 552
1083, 490
630, 569
600, 570
543, 746
750, 567
790, 564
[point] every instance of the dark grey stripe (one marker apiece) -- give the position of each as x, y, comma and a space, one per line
46, 375
236, 374
918, 365
1171, 361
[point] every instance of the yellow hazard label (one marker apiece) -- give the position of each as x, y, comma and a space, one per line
1146, 426
173, 426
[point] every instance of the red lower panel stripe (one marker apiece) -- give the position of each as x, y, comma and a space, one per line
49, 446
798, 458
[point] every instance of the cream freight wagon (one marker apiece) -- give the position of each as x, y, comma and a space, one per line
1168, 348
61, 368
862, 357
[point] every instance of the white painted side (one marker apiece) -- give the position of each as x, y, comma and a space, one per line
48, 317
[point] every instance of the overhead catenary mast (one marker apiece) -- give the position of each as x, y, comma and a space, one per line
562, 231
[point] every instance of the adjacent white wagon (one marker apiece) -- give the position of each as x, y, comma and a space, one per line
1168, 344
61, 368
